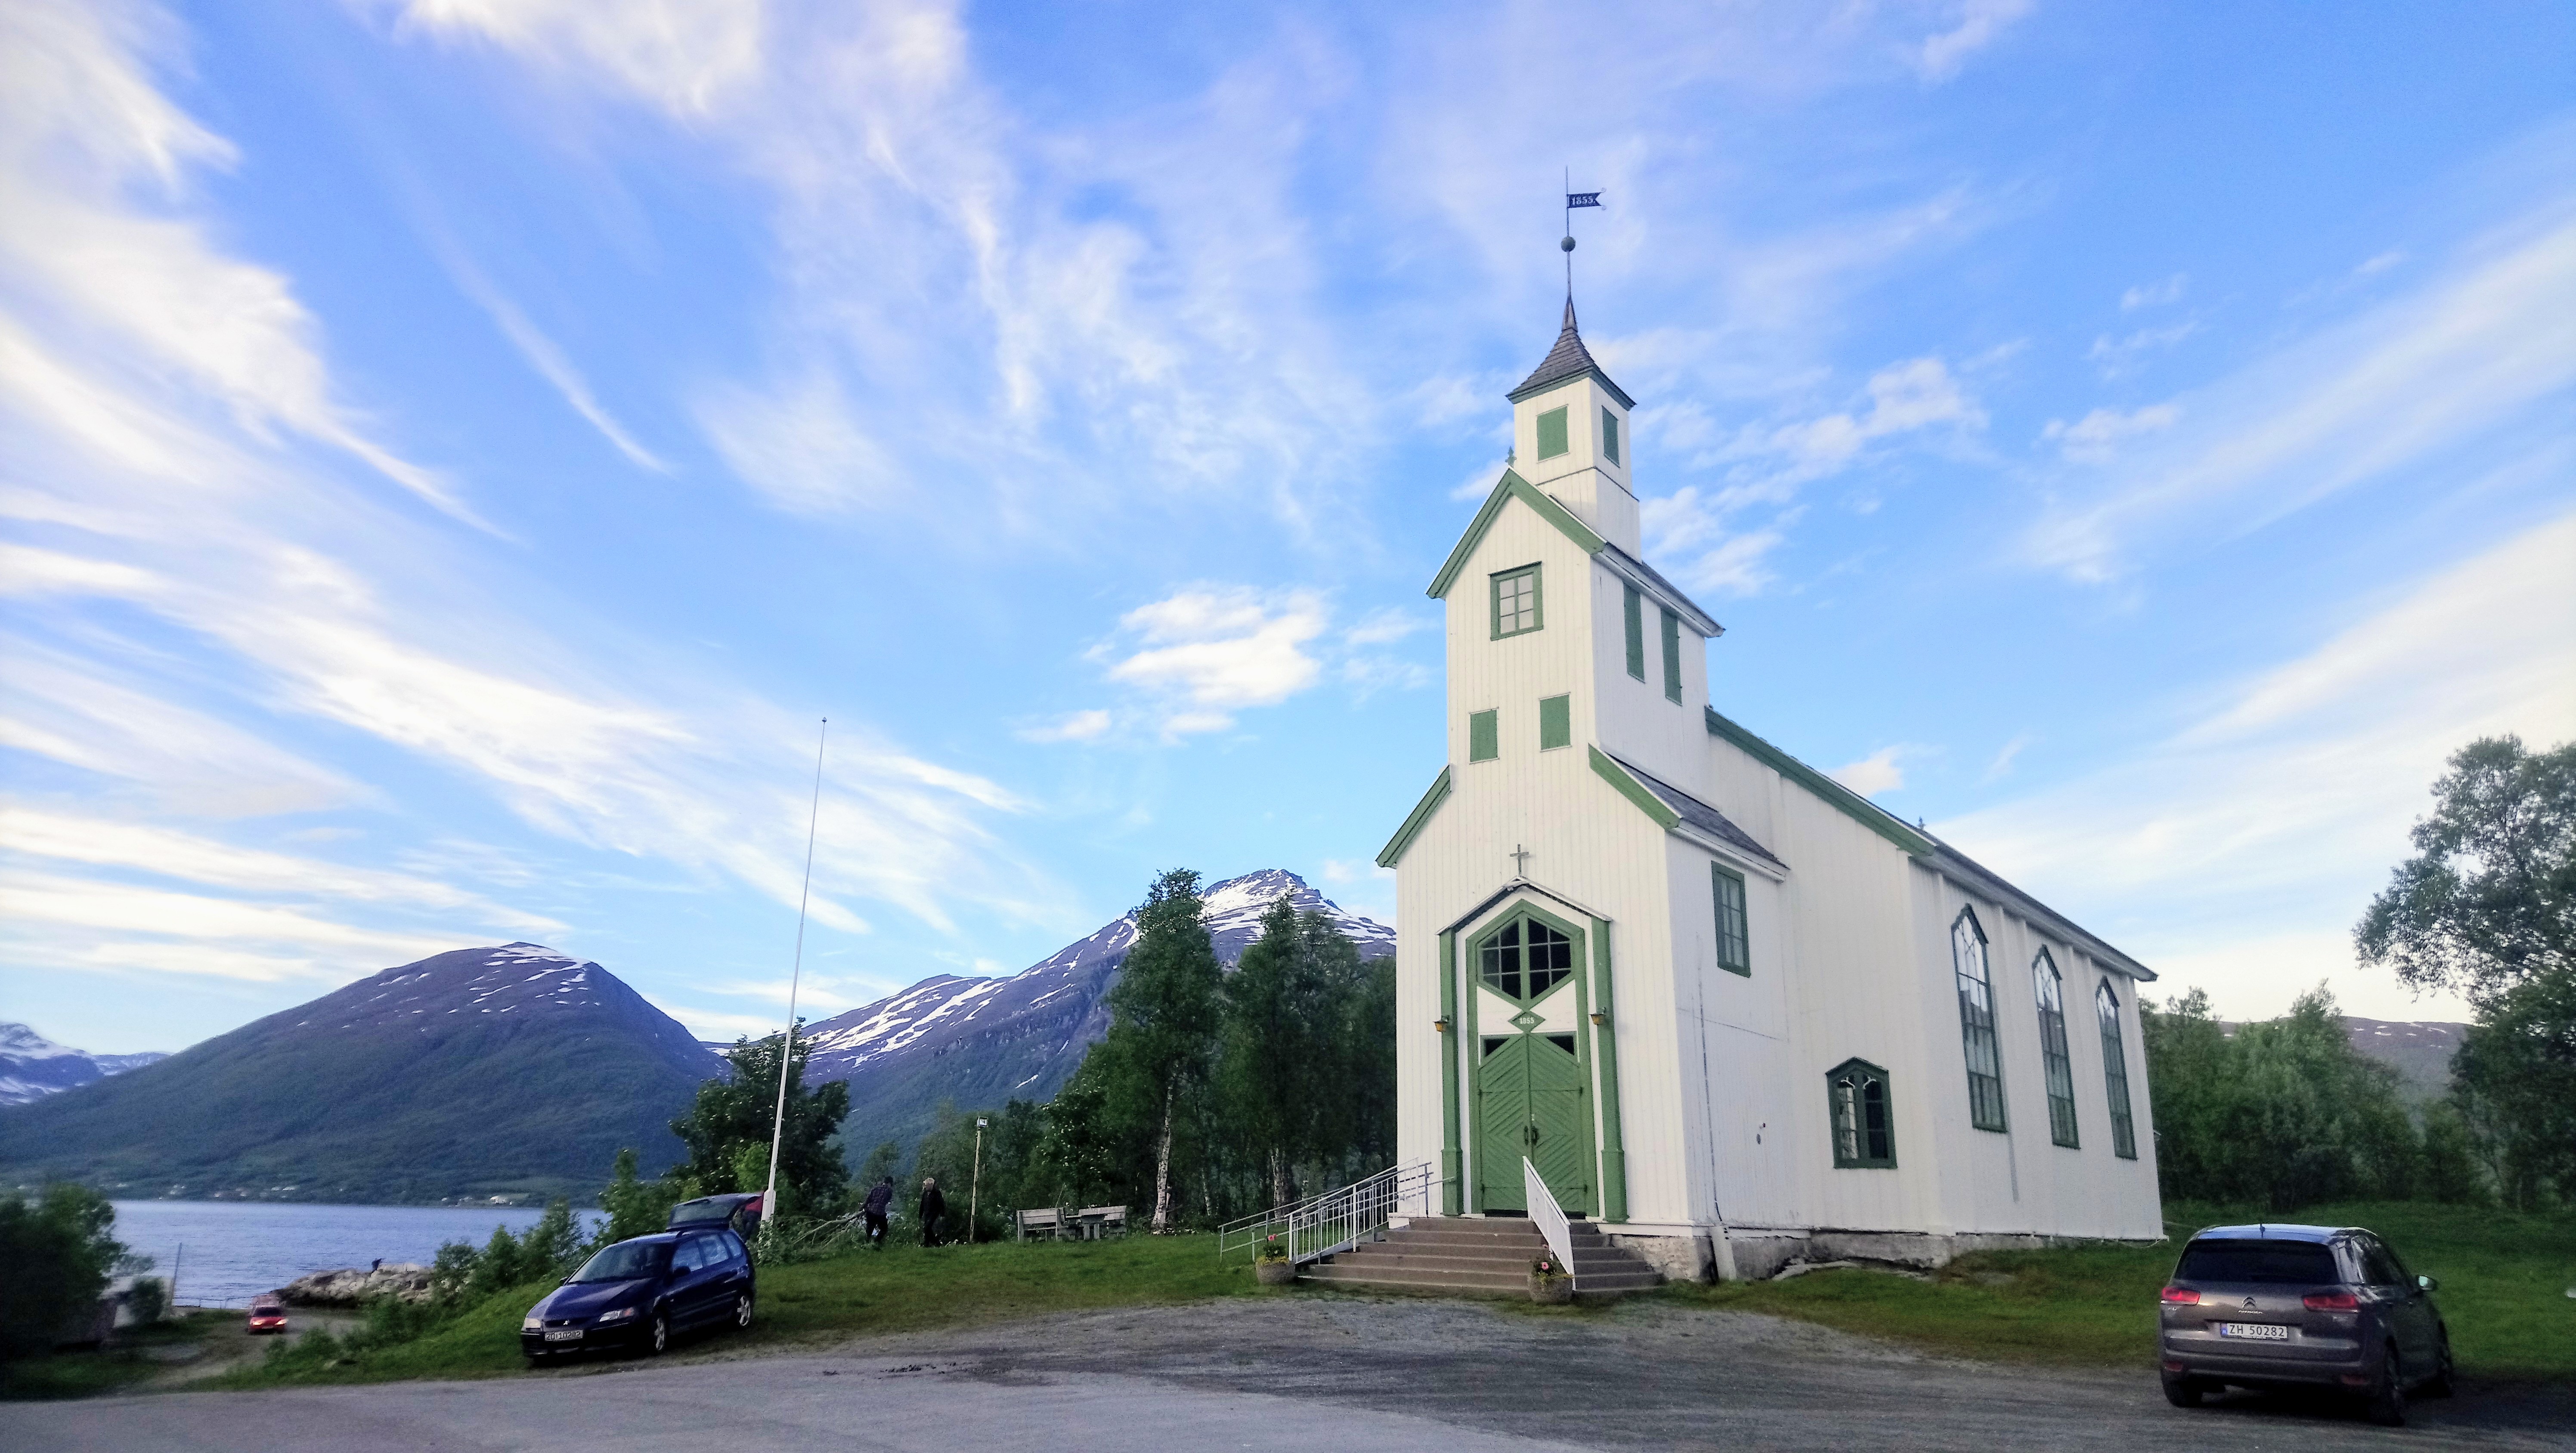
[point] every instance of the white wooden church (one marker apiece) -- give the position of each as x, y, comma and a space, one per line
1732, 1012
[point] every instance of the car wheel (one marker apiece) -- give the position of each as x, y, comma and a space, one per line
742, 1312
2184, 1392
2387, 1405
2439, 1384
658, 1337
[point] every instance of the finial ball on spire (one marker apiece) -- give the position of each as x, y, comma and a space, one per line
1567, 244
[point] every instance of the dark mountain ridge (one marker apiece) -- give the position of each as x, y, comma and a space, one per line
476, 1072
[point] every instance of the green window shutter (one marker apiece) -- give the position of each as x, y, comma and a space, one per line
1610, 436
1484, 737
1551, 433
1636, 607
1516, 602
1672, 657
1734, 943
1555, 722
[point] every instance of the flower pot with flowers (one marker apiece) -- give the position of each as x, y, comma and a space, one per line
1270, 1264
1550, 1283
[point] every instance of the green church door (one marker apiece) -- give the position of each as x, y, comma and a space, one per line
1530, 1102
1530, 1095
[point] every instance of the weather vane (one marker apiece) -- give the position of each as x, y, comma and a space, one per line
1573, 199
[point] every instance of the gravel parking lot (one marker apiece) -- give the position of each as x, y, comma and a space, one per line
1282, 1372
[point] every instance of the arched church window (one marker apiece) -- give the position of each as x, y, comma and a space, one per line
1977, 1022
2115, 1072
2050, 992
1524, 959
1864, 1116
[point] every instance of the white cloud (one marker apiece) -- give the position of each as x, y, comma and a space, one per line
1876, 773
2121, 356
684, 55
2408, 381
2004, 758
2095, 437
1078, 726
2154, 295
2278, 814
551, 365
1214, 649
1980, 22
801, 447
1903, 397
1688, 530
1392, 623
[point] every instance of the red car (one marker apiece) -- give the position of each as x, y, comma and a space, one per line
267, 1314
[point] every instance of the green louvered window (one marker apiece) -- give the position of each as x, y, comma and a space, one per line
2054, 1062
1672, 657
1555, 722
1484, 736
2115, 1072
1636, 609
1610, 436
1516, 603
1864, 1116
1977, 1022
1734, 944
1551, 433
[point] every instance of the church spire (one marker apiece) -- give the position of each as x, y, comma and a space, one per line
1568, 359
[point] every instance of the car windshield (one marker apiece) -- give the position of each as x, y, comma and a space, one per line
2257, 1261
626, 1261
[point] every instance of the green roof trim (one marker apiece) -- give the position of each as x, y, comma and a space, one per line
1634, 790
1511, 486
1393, 852
1851, 804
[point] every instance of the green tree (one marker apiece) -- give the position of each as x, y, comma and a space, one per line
734, 1112
2487, 907
1163, 1023
1280, 1069
883, 1161
635, 1207
1369, 1088
58, 1251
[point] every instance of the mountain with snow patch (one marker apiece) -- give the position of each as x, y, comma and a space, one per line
477, 1072
982, 1042
32, 1066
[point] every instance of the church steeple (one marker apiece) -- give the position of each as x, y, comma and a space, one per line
1569, 433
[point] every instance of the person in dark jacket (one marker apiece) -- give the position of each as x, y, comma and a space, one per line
880, 1200
933, 1206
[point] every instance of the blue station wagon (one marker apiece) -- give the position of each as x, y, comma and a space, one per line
638, 1294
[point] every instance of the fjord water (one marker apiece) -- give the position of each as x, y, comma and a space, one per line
238, 1249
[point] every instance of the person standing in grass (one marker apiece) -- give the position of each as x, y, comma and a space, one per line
880, 1200
933, 1206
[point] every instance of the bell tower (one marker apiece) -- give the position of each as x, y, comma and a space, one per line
1570, 437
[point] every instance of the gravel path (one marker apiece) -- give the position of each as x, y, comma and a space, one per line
1286, 1372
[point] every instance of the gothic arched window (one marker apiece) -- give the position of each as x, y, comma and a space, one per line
1977, 1022
2050, 992
2115, 1072
1864, 1117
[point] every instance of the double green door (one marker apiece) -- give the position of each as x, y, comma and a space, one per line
1530, 1102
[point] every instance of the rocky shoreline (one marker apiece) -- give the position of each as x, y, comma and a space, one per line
356, 1286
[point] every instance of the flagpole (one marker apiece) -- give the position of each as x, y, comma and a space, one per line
795, 975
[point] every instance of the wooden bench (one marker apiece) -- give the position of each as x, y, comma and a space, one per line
1045, 1221
1101, 1221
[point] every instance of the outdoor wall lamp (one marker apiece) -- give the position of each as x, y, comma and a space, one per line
1440, 1025
1600, 1017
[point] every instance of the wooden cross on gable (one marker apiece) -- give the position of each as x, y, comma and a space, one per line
1520, 857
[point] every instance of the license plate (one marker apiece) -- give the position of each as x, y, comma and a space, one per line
564, 1334
2255, 1331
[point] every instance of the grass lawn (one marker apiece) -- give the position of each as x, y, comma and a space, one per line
901, 1289
129, 1361
2504, 1280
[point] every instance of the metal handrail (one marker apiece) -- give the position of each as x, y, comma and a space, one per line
1550, 1217
1335, 1221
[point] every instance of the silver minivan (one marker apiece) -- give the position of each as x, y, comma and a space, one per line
2269, 1306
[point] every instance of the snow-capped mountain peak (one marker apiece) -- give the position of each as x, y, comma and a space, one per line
32, 1066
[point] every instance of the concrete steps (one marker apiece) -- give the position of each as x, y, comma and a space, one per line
1481, 1256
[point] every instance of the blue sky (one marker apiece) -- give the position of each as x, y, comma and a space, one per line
455, 451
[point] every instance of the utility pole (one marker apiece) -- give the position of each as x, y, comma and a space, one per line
975, 1186
787, 1043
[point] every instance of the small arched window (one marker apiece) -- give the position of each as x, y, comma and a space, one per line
1524, 959
2115, 1072
1864, 1116
2058, 1068
1977, 1022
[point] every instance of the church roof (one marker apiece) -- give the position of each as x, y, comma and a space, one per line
1568, 359
1698, 814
